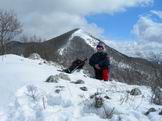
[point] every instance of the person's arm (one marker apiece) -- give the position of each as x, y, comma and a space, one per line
92, 61
105, 62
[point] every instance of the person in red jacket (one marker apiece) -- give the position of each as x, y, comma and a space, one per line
100, 61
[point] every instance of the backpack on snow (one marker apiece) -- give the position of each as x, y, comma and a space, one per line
76, 64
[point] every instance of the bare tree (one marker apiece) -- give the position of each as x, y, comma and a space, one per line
35, 38
9, 28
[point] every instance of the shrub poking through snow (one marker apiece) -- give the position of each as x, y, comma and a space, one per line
98, 102
125, 98
29, 105
53, 79
32, 92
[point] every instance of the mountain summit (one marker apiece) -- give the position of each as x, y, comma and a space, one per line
80, 44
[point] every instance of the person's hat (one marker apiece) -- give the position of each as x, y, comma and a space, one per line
100, 46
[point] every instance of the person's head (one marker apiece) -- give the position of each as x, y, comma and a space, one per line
100, 47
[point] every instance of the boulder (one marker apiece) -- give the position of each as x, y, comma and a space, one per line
150, 110
53, 78
64, 76
135, 92
35, 56
79, 82
84, 88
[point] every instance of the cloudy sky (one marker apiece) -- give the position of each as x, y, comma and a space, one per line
137, 22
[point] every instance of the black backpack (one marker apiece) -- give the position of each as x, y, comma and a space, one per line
76, 64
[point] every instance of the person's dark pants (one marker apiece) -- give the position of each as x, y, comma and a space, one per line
102, 74
98, 74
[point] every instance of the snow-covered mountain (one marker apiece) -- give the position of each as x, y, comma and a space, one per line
70, 97
79, 44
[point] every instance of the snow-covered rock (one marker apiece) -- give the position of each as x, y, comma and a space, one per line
135, 92
64, 76
34, 56
53, 78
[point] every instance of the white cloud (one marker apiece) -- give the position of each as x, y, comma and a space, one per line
146, 29
57, 23
48, 18
158, 13
136, 48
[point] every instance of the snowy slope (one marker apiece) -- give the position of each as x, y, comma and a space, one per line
16, 71
36, 100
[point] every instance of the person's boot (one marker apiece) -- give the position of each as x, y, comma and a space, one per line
110, 79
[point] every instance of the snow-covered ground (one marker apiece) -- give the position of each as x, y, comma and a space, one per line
16, 71
25, 96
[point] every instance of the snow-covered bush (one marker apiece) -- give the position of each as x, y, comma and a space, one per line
29, 105
32, 92
97, 104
